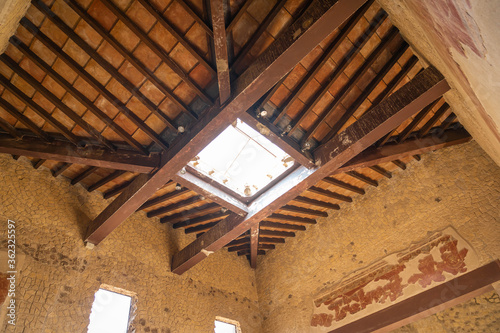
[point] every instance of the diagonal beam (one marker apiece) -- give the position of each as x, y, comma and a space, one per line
317, 22
210, 192
62, 151
391, 152
373, 125
221, 55
428, 302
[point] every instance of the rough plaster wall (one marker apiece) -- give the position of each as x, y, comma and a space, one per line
458, 186
479, 315
460, 38
56, 288
11, 11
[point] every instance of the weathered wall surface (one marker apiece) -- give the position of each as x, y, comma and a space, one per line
11, 11
461, 39
55, 290
457, 186
479, 315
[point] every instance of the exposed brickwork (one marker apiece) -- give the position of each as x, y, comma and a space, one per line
56, 288
458, 186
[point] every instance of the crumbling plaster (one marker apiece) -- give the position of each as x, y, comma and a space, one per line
460, 38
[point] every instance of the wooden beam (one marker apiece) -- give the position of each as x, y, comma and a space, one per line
317, 203
115, 101
10, 129
374, 124
87, 172
272, 133
416, 120
281, 226
302, 210
105, 180
329, 194
201, 220
428, 302
363, 178
274, 233
381, 171
38, 163
240, 13
163, 198
394, 151
61, 169
344, 185
439, 113
196, 17
62, 151
221, 55
76, 94
317, 22
210, 192
254, 245
174, 206
187, 214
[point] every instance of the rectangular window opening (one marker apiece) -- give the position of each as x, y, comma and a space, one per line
110, 311
224, 325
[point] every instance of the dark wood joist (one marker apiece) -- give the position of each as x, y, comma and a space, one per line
378, 169
187, 215
37, 109
163, 198
363, 178
317, 22
84, 174
175, 206
246, 252
196, 17
210, 192
374, 124
399, 164
24, 120
329, 194
281, 226
200, 228
112, 176
394, 151
339, 70
344, 185
318, 203
143, 69
60, 169
302, 210
416, 120
245, 246
38, 163
7, 127
245, 49
291, 219
221, 51
263, 240
129, 86
56, 101
76, 94
118, 189
351, 110
62, 151
201, 220
447, 122
176, 33
115, 101
429, 124
318, 65
157, 49
238, 15
274, 233
433, 300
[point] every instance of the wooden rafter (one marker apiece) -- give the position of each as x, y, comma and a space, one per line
221, 52
317, 22
63, 151
408, 100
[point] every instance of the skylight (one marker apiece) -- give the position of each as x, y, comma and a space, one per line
222, 327
242, 159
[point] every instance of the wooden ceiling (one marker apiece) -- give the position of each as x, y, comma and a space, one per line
103, 92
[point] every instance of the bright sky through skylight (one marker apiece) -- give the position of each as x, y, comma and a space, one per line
221, 327
242, 159
110, 312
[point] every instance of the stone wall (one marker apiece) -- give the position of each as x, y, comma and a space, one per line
457, 186
56, 287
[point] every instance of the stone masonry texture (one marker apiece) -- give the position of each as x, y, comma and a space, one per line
56, 287
457, 186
